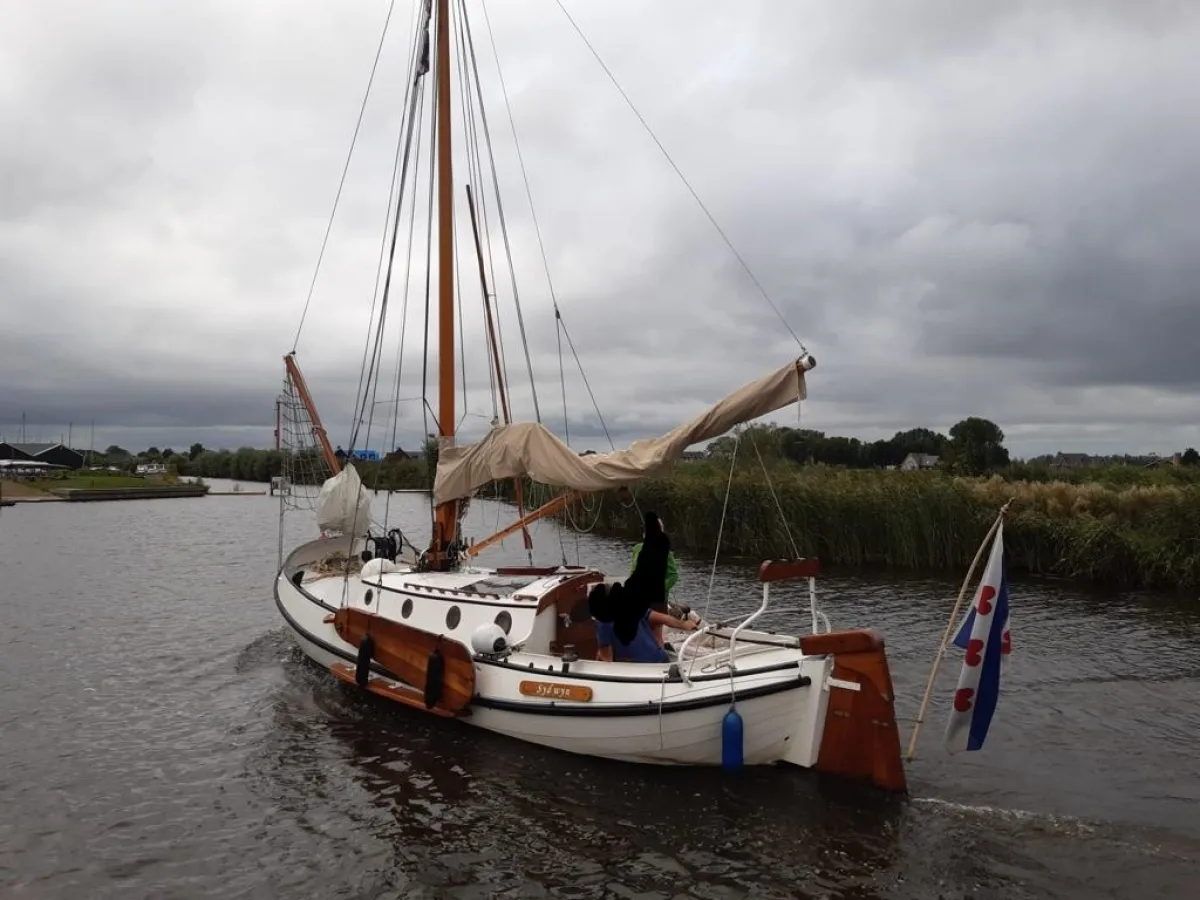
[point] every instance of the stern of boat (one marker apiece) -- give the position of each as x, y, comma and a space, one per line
856, 735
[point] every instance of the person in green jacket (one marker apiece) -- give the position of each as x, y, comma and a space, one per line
660, 612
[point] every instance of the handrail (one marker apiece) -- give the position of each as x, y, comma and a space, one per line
746, 621
815, 608
709, 628
705, 629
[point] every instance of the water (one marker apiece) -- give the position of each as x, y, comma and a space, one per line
161, 738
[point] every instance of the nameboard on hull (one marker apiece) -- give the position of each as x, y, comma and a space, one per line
554, 690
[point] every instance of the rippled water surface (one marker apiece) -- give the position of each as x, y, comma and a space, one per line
160, 737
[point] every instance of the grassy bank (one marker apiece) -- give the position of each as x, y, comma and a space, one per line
86, 481
1140, 535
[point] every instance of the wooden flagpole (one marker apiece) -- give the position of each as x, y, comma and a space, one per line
937, 660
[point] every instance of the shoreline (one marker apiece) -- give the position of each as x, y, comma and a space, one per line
919, 523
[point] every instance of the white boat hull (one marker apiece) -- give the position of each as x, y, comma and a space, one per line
638, 713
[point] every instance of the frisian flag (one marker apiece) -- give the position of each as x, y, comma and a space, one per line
984, 638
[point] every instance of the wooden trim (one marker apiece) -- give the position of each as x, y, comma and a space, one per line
400, 693
608, 710
573, 582
551, 690
293, 370
860, 739
784, 569
546, 509
406, 651
625, 679
835, 642
537, 570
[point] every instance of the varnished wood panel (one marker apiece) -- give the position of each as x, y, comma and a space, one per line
861, 739
404, 651
784, 569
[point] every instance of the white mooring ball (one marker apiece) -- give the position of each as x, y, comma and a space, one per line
489, 639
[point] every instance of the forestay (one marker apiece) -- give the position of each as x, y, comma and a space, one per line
530, 449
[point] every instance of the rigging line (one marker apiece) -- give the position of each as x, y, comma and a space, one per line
682, 178
562, 380
412, 217
487, 135
425, 410
521, 161
345, 168
505, 377
712, 575
563, 325
787, 529
472, 161
462, 339
387, 282
579, 363
405, 126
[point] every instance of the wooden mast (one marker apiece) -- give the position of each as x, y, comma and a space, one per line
446, 514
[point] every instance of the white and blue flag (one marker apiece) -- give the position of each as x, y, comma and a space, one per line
985, 640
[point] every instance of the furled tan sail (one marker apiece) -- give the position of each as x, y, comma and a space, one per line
527, 448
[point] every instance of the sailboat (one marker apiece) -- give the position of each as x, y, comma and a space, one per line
514, 649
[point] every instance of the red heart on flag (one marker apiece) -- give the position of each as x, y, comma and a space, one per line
985, 599
962, 699
974, 651
1006, 642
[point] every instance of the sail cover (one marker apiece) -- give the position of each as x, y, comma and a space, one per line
530, 449
344, 506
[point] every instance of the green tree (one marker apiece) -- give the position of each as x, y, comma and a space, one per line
1190, 457
919, 440
976, 447
722, 447
195, 450
430, 452
115, 453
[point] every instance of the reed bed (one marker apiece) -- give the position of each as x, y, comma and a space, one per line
1146, 536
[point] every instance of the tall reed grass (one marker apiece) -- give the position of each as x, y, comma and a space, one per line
921, 521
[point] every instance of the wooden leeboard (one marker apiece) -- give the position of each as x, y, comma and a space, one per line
398, 692
404, 651
556, 690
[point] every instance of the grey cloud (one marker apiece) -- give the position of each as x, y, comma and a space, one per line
961, 208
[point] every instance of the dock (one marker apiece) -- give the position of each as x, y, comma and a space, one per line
82, 495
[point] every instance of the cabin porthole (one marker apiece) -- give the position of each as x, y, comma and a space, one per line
504, 620
368, 597
406, 609
453, 617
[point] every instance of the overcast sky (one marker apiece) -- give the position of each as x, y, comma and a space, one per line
962, 209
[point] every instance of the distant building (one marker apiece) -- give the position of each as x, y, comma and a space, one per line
916, 461
54, 454
693, 455
398, 454
1071, 461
